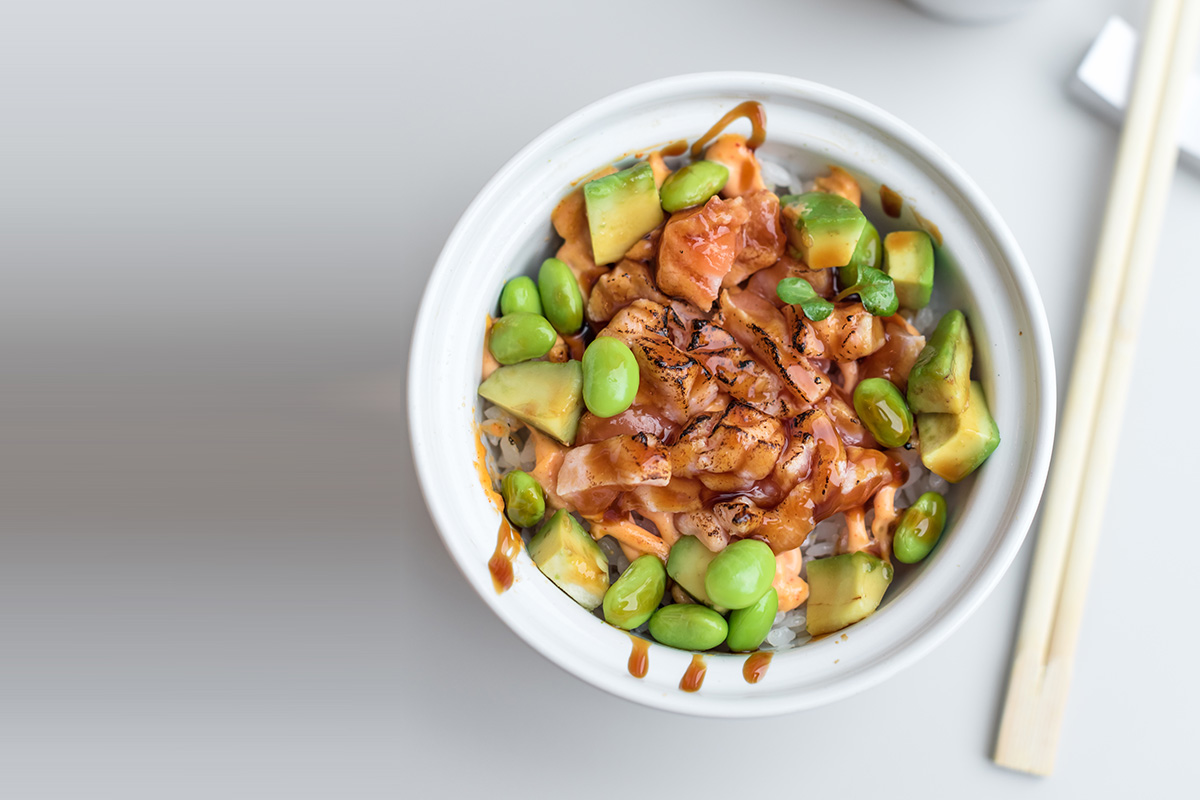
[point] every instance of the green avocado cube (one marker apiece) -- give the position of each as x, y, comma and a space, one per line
621, 208
844, 590
954, 445
908, 259
824, 227
543, 394
940, 381
567, 555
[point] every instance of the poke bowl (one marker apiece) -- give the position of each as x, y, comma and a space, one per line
718, 329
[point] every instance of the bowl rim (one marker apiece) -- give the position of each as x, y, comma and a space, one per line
990, 573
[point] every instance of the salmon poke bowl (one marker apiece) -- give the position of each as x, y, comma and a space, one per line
752, 399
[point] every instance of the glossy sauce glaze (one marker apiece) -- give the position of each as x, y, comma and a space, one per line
639, 657
508, 545
755, 666
752, 111
693, 679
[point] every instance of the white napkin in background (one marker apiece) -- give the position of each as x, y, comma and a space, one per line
1103, 78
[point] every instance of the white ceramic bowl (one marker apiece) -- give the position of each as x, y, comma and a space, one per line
506, 231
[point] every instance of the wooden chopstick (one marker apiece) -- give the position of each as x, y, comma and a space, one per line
1043, 659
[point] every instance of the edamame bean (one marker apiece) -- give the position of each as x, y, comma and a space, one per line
740, 574
520, 294
749, 626
919, 528
692, 185
688, 627
868, 253
883, 411
524, 502
633, 598
610, 377
562, 303
520, 336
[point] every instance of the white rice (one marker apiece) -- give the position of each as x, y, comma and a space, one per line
778, 176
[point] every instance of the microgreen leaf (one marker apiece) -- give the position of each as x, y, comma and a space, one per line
875, 289
799, 292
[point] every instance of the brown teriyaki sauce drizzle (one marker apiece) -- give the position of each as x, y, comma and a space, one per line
755, 666
639, 657
892, 202
508, 545
752, 111
693, 679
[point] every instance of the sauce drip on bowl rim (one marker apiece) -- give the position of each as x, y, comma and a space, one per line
755, 666
752, 111
639, 657
508, 545
693, 679
891, 201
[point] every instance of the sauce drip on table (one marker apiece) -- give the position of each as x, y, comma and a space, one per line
693, 679
756, 666
752, 111
639, 657
892, 202
508, 544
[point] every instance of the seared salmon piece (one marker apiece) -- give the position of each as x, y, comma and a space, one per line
620, 286
849, 333
592, 475
760, 328
762, 238
670, 380
699, 247
731, 450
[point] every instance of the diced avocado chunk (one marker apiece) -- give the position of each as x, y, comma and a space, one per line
908, 259
621, 208
954, 445
844, 590
940, 380
543, 394
825, 228
687, 564
567, 555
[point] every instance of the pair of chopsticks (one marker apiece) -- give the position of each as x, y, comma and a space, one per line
1083, 458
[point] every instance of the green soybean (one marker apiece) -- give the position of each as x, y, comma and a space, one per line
633, 598
740, 574
919, 528
520, 336
562, 301
883, 411
524, 502
520, 294
688, 627
692, 185
749, 626
610, 377
868, 253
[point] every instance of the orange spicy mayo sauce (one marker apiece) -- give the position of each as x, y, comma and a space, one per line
752, 111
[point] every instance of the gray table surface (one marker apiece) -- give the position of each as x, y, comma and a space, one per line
217, 576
